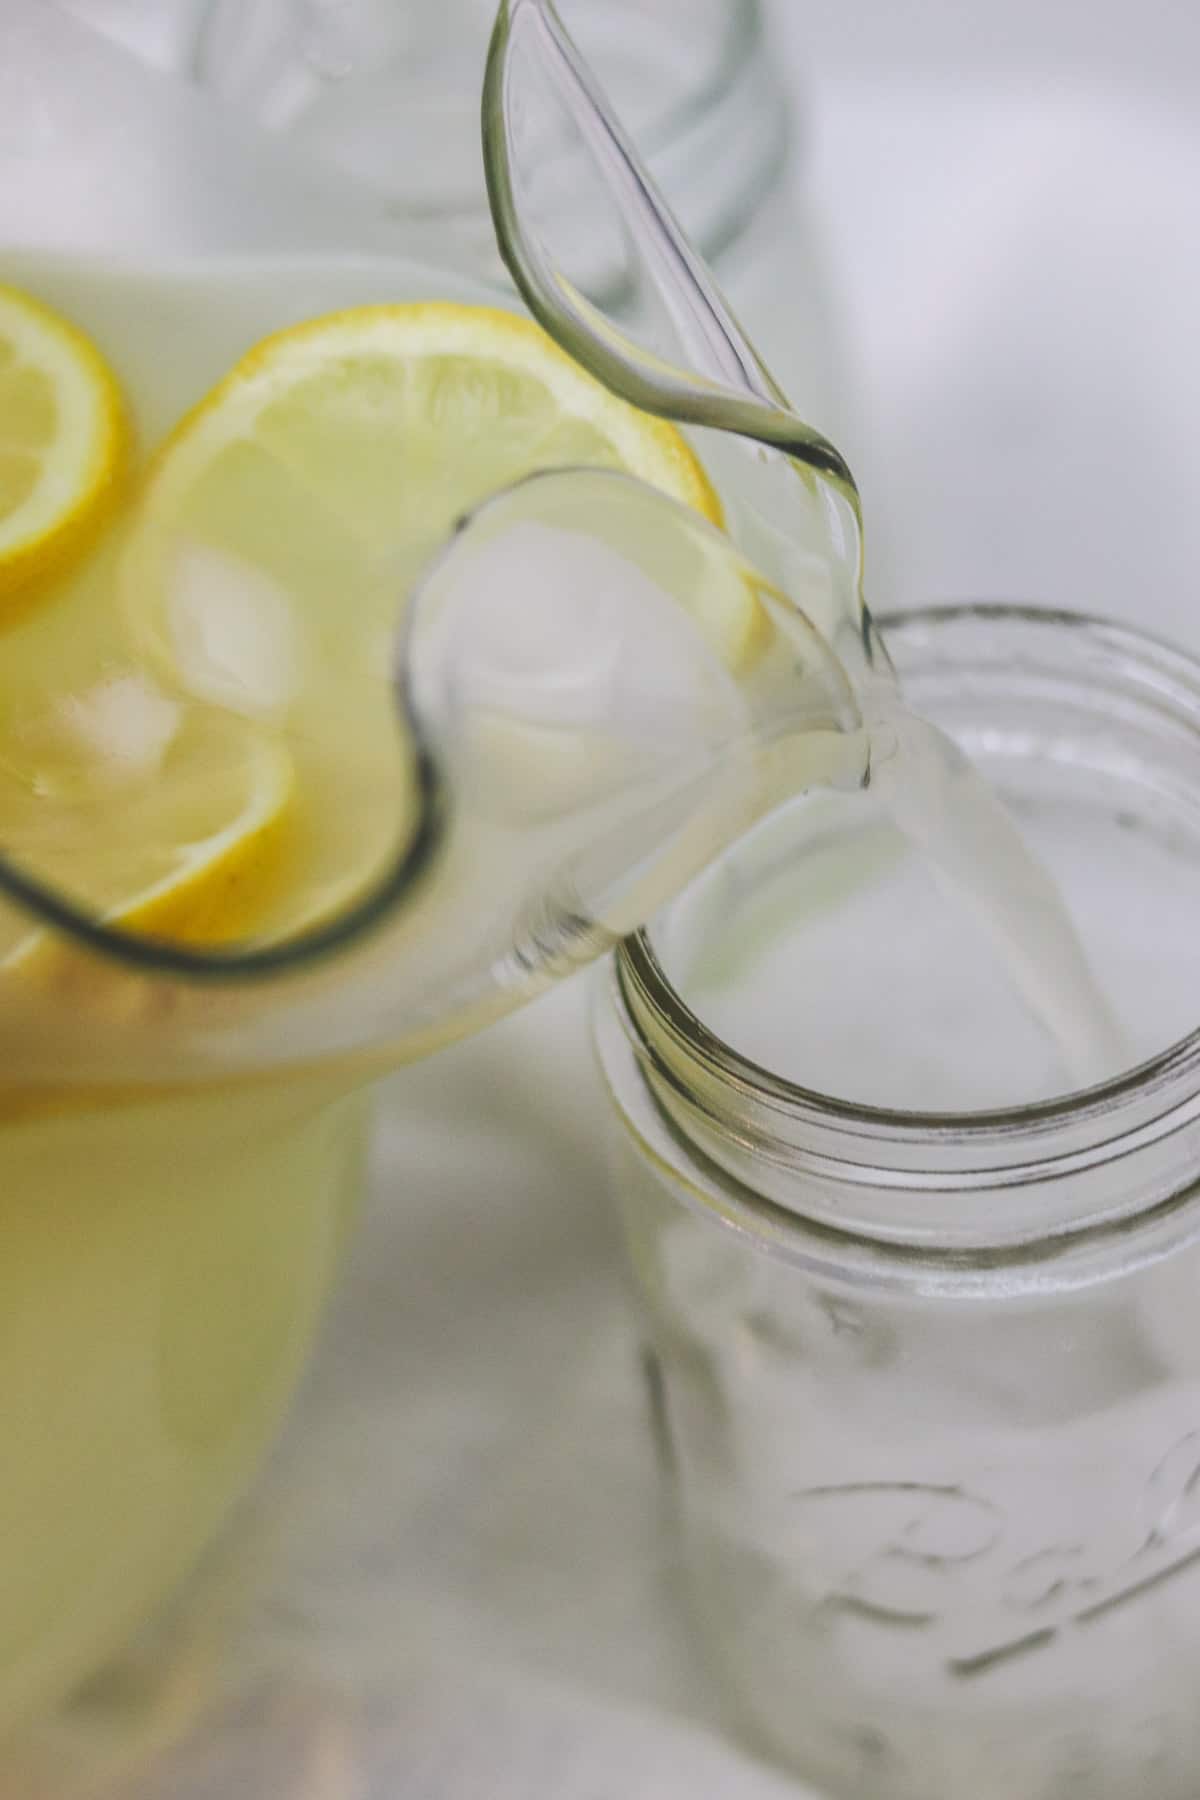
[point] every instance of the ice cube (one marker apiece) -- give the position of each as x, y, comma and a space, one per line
234, 632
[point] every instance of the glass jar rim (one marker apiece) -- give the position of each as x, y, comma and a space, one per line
1165, 1080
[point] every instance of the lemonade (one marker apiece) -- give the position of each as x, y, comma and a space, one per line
198, 744
164, 1267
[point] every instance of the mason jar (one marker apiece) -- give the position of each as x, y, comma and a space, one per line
389, 92
927, 1382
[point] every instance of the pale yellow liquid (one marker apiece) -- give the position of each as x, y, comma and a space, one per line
162, 1273
163, 1256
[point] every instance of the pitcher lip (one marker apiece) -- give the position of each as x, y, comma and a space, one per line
1173, 1074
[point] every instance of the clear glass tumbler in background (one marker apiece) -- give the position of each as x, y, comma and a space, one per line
389, 91
930, 1383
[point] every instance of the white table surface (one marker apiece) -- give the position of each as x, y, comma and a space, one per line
467, 1489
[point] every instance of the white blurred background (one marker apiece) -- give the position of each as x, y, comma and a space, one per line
1003, 202
1010, 196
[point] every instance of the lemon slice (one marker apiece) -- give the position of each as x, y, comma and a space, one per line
63, 444
335, 458
285, 519
164, 817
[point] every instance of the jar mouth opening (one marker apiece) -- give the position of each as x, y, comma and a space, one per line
657, 1006
640, 971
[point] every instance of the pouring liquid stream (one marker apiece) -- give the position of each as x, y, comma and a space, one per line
953, 820
977, 855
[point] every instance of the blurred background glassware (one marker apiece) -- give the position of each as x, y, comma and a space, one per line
160, 33
389, 91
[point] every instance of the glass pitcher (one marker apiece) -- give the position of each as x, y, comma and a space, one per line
182, 1128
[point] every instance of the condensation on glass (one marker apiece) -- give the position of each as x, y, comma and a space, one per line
929, 1386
